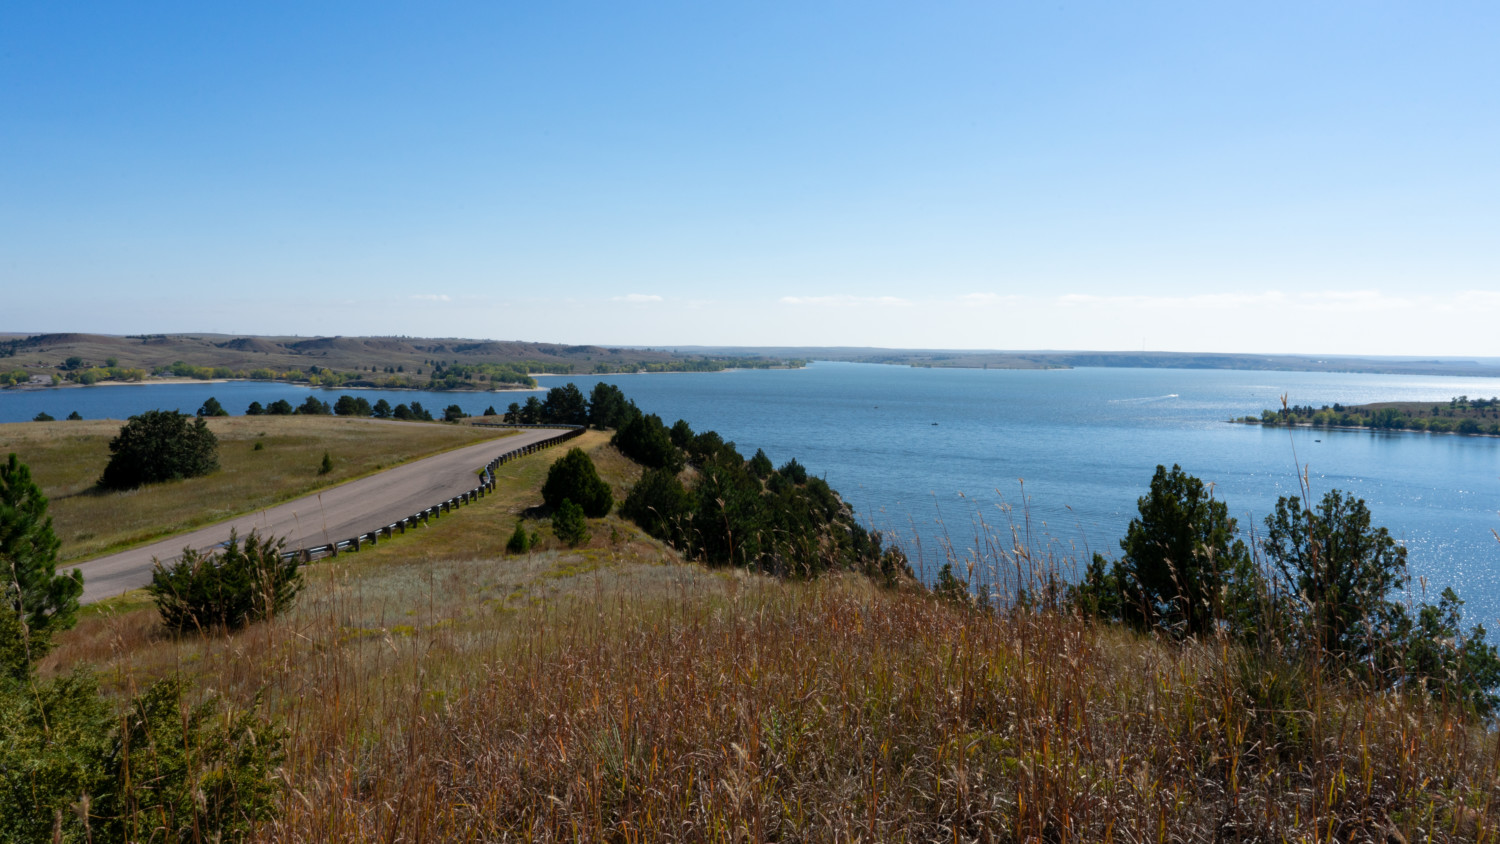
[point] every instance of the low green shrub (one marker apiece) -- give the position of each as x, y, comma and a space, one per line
72, 769
235, 587
519, 542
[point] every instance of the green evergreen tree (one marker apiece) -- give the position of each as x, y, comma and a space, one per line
1182, 568
211, 407
573, 477
760, 465
1340, 567
37, 601
519, 542
313, 406
159, 445
569, 525
565, 405
660, 505
233, 587
646, 441
608, 407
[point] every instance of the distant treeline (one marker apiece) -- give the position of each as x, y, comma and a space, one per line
1460, 415
434, 375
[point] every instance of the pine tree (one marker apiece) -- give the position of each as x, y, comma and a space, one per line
568, 524
38, 601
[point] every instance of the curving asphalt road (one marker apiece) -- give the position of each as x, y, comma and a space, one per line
341, 512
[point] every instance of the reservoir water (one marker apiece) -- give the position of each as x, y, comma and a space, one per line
927, 453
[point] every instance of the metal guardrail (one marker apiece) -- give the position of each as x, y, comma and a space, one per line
486, 485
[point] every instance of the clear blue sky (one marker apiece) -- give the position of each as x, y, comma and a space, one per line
1252, 177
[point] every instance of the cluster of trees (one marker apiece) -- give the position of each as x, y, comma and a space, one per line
727, 511
461, 375
1460, 415
1325, 589
744, 512
160, 445
605, 407
344, 406
113, 372
574, 492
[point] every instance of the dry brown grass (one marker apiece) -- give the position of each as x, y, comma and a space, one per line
436, 690
66, 458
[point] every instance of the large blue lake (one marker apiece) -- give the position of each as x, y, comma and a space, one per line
1085, 441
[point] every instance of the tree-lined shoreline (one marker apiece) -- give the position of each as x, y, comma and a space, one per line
1459, 415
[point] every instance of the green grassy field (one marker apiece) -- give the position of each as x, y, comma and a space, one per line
436, 689
66, 458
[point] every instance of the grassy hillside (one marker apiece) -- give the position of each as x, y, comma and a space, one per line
434, 688
380, 361
263, 460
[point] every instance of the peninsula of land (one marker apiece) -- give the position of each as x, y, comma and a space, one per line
1458, 415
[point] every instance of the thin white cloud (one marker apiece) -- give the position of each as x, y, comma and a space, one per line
839, 301
432, 297
990, 298
1206, 300
637, 298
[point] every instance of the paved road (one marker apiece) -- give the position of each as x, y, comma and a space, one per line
341, 512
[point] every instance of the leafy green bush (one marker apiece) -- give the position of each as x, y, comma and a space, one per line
234, 587
159, 445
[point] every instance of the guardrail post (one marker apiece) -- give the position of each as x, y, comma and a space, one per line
306, 556
355, 542
374, 534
